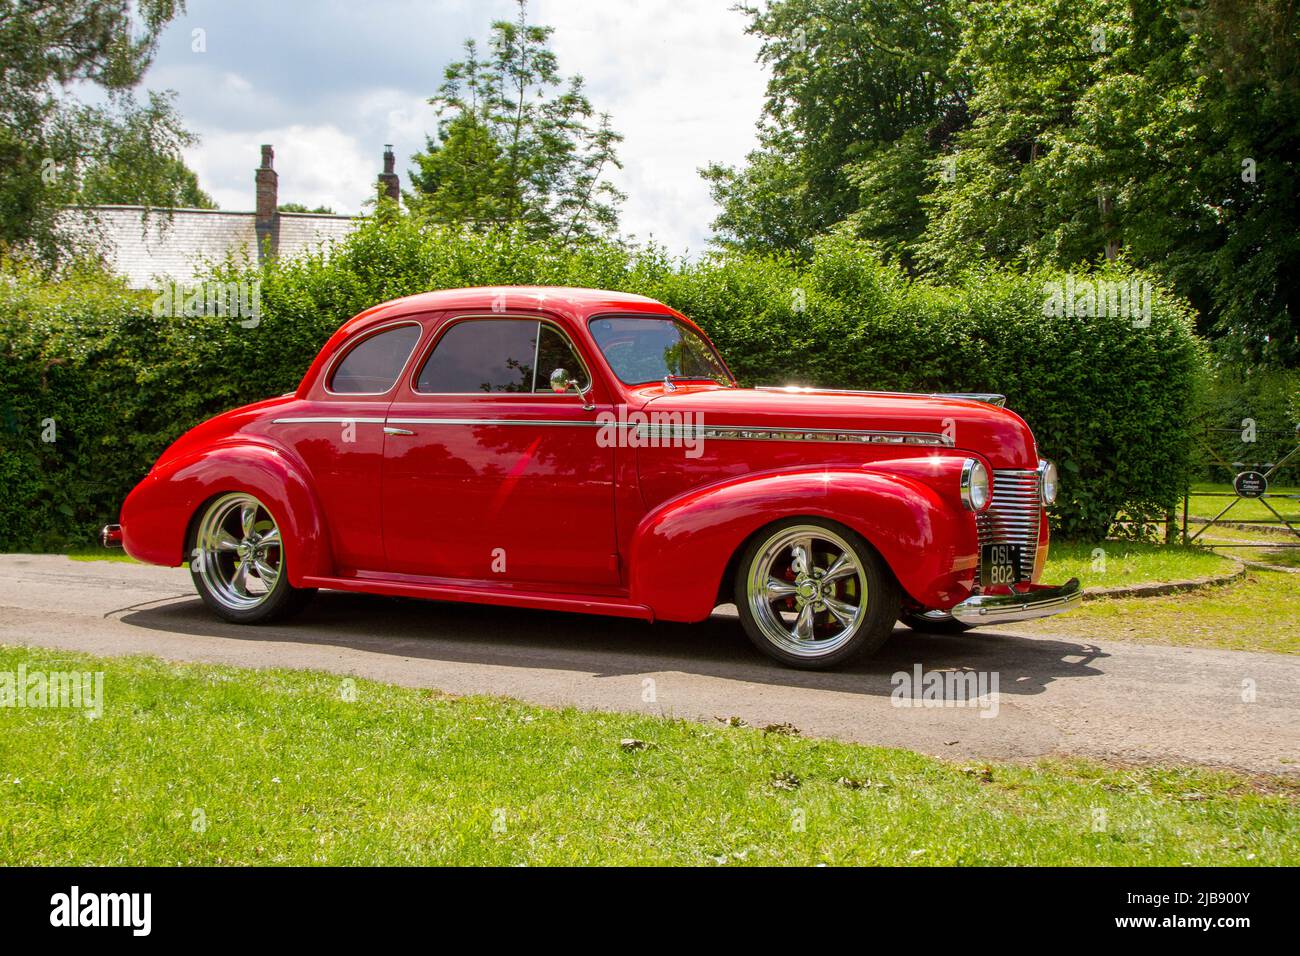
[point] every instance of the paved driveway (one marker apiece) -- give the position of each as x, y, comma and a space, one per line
1117, 700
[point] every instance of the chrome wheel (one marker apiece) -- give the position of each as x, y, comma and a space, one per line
807, 591
237, 555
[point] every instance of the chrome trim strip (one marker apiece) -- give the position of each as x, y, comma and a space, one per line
326, 420
491, 421
984, 609
717, 432
830, 435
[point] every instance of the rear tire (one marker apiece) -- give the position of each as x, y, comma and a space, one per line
814, 594
238, 564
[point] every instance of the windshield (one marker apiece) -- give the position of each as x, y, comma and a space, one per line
649, 349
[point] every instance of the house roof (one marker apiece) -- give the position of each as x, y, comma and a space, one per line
146, 245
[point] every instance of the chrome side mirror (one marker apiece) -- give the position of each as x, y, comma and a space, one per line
562, 381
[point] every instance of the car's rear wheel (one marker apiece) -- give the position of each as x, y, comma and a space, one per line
934, 622
238, 564
813, 594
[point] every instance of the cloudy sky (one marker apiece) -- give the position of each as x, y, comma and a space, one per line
329, 82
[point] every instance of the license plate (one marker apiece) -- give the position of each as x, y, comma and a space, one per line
999, 564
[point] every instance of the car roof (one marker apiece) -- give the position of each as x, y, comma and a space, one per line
574, 303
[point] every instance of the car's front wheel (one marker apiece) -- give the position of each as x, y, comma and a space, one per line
813, 594
237, 562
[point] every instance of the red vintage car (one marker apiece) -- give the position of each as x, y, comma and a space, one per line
582, 450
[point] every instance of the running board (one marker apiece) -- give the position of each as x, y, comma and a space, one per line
536, 600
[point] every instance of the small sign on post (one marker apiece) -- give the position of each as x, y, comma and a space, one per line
1250, 484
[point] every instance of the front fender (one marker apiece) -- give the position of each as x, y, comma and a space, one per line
157, 513
681, 550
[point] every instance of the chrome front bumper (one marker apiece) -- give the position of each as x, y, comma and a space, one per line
1038, 601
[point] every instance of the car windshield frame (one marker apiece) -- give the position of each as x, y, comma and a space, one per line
686, 329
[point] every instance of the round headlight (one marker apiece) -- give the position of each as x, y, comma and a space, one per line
975, 487
1047, 481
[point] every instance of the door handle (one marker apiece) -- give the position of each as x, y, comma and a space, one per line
389, 430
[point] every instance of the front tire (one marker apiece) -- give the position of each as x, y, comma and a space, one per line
238, 565
813, 594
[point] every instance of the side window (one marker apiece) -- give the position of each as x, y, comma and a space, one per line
497, 355
372, 366
554, 351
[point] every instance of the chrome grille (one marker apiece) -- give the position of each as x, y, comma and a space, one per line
1013, 515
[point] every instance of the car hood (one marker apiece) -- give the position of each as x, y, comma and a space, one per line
998, 434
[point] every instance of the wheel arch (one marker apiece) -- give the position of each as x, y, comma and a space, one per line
686, 551
158, 516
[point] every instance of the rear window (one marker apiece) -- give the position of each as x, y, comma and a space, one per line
372, 365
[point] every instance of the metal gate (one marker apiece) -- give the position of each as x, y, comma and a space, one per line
1251, 481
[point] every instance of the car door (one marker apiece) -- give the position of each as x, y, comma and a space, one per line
338, 433
492, 476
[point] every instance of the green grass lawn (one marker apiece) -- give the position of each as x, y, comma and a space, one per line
1274, 549
1282, 557
197, 764
1206, 506
95, 553
1120, 563
1258, 613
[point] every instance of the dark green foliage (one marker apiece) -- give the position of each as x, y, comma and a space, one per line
517, 143
1040, 133
55, 150
1110, 402
1236, 405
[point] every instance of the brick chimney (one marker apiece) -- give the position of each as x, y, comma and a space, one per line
268, 204
388, 181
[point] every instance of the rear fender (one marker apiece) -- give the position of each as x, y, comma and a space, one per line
681, 550
156, 515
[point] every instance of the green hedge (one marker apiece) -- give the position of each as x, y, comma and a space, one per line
1108, 401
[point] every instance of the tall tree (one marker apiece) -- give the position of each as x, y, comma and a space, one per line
463, 176
849, 80
1029, 132
136, 165
1121, 127
517, 143
47, 140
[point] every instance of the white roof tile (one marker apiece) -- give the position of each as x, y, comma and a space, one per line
146, 245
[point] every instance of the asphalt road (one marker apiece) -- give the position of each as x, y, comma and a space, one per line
1122, 701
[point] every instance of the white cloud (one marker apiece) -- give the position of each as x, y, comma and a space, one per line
680, 82
318, 166
236, 85
681, 85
